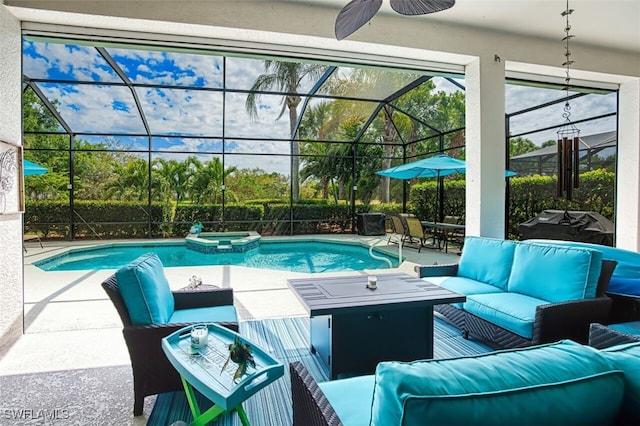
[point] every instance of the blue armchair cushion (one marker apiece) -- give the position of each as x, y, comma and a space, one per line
351, 398
559, 383
624, 286
555, 273
145, 290
626, 357
487, 260
512, 311
224, 313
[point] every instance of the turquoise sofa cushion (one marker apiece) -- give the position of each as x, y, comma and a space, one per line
463, 286
626, 357
145, 290
632, 328
555, 273
512, 311
628, 261
487, 260
626, 276
559, 383
225, 313
351, 399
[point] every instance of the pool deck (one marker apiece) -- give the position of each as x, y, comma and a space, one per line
70, 323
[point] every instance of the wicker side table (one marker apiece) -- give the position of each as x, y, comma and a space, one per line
603, 336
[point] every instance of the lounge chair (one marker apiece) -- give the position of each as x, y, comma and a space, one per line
31, 237
415, 233
398, 230
149, 311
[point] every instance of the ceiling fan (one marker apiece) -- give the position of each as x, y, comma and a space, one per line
358, 12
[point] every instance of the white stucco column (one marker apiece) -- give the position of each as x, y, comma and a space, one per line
485, 150
628, 168
10, 225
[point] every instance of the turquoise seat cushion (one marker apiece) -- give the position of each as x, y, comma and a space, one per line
562, 383
627, 358
351, 399
487, 260
555, 273
512, 311
463, 286
632, 328
145, 290
225, 313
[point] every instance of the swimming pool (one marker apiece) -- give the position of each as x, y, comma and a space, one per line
295, 256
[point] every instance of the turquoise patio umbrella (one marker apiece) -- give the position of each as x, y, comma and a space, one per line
437, 166
29, 168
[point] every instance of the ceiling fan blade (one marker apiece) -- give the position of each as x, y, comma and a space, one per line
420, 7
354, 15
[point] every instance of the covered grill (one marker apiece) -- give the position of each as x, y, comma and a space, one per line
588, 227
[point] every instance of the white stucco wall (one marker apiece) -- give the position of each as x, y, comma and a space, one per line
10, 225
628, 169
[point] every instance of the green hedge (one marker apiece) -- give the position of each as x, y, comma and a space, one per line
529, 195
95, 219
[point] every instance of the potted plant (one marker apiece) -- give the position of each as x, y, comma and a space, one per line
240, 353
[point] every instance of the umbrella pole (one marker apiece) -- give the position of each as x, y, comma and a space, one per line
441, 199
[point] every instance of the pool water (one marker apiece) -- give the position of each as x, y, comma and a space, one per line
295, 256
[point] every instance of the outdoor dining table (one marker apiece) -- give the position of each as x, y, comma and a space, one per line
442, 231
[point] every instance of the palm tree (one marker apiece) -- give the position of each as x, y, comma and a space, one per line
130, 181
285, 77
208, 178
174, 175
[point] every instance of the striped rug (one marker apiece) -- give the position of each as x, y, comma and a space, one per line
287, 339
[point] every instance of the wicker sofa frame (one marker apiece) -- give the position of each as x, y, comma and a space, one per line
152, 372
553, 321
310, 406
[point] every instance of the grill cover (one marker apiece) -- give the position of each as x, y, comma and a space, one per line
371, 224
587, 227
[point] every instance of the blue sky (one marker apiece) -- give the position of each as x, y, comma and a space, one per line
182, 109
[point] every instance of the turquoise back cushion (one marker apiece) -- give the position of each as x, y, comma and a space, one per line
487, 260
555, 273
627, 358
628, 261
559, 383
146, 291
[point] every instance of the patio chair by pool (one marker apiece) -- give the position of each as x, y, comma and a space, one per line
31, 237
149, 311
398, 229
415, 233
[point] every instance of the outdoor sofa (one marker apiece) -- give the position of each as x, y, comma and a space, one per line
561, 383
149, 311
624, 286
521, 293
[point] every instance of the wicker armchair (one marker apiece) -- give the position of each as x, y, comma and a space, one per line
152, 372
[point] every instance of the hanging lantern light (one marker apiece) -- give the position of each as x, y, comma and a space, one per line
568, 136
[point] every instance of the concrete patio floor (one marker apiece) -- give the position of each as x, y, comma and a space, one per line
71, 325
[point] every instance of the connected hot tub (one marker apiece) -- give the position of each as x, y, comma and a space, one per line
223, 242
